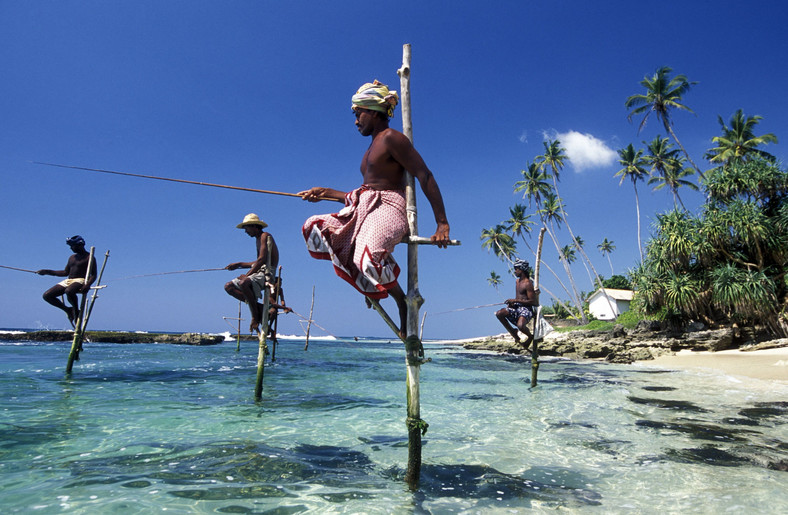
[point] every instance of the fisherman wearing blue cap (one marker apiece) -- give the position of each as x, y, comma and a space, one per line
520, 310
75, 272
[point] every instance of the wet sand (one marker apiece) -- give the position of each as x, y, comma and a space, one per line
767, 364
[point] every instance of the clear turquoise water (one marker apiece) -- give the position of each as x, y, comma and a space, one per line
146, 428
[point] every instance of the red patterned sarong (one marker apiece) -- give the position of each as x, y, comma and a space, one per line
359, 239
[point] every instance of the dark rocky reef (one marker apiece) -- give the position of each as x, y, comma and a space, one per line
116, 337
646, 341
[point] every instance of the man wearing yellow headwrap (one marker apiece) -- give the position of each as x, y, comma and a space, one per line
360, 238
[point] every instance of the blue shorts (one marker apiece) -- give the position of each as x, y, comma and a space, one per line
514, 314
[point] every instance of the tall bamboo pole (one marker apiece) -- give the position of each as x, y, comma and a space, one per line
413, 349
535, 350
309, 322
261, 335
76, 343
238, 336
276, 320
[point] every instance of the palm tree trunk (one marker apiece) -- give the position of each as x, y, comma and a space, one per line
576, 296
637, 211
673, 134
558, 279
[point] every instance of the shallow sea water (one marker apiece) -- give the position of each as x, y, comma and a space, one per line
147, 428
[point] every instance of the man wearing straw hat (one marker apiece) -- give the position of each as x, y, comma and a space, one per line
76, 270
360, 238
250, 286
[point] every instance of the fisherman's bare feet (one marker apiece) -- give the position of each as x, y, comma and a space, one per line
254, 326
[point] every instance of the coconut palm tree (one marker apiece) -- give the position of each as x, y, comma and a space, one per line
738, 142
555, 158
606, 247
502, 245
673, 177
494, 280
568, 252
519, 225
534, 184
551, 217
663, 94
578, 244
634, 165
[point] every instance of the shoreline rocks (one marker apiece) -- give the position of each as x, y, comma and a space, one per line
116, 337
645, 342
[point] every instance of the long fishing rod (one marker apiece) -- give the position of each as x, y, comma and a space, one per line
270, 192
168, 273
465, 309
19, 269
315, 323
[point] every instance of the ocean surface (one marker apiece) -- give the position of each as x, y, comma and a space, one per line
144, 428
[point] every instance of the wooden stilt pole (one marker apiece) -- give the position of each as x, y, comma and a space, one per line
262, 333
238, 343
276, 320
81, 323
414, 351
535, 351
309, 322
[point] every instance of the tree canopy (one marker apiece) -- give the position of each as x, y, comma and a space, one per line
729, 263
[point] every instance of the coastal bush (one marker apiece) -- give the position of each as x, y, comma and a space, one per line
728, 264
617, 282
629, 319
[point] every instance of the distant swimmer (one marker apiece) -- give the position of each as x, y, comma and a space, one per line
520, 310
75, 271
360, 238
249, 286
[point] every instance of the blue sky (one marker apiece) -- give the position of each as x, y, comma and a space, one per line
257, 94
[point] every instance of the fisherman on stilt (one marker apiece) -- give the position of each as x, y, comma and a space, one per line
360, 238
250, 286
76, 271
521, 309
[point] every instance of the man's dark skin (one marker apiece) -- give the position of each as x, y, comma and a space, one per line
524, 295
383, 167
76, 268
246, 293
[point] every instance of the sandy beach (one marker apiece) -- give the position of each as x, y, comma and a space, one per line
767, 364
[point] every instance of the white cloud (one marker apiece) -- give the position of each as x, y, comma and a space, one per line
585, 151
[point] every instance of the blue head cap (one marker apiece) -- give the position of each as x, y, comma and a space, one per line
76, 240
521, 264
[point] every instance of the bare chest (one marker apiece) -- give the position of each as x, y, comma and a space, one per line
379, 169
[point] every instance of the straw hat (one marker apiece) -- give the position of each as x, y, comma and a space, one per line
252, 219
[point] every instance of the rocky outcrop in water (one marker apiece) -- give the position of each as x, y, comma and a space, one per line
619, 345
116, 337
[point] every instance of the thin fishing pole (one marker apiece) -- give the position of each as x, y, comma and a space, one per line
169, 273
313, 321
19, 269
465, 309
270, 192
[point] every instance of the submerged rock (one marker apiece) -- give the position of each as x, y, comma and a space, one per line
116, 337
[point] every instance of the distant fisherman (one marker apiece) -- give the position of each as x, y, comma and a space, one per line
360, 238
250, 286
520, 310
75, 271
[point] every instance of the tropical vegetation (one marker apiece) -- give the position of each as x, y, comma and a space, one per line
728, 264
725, 264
